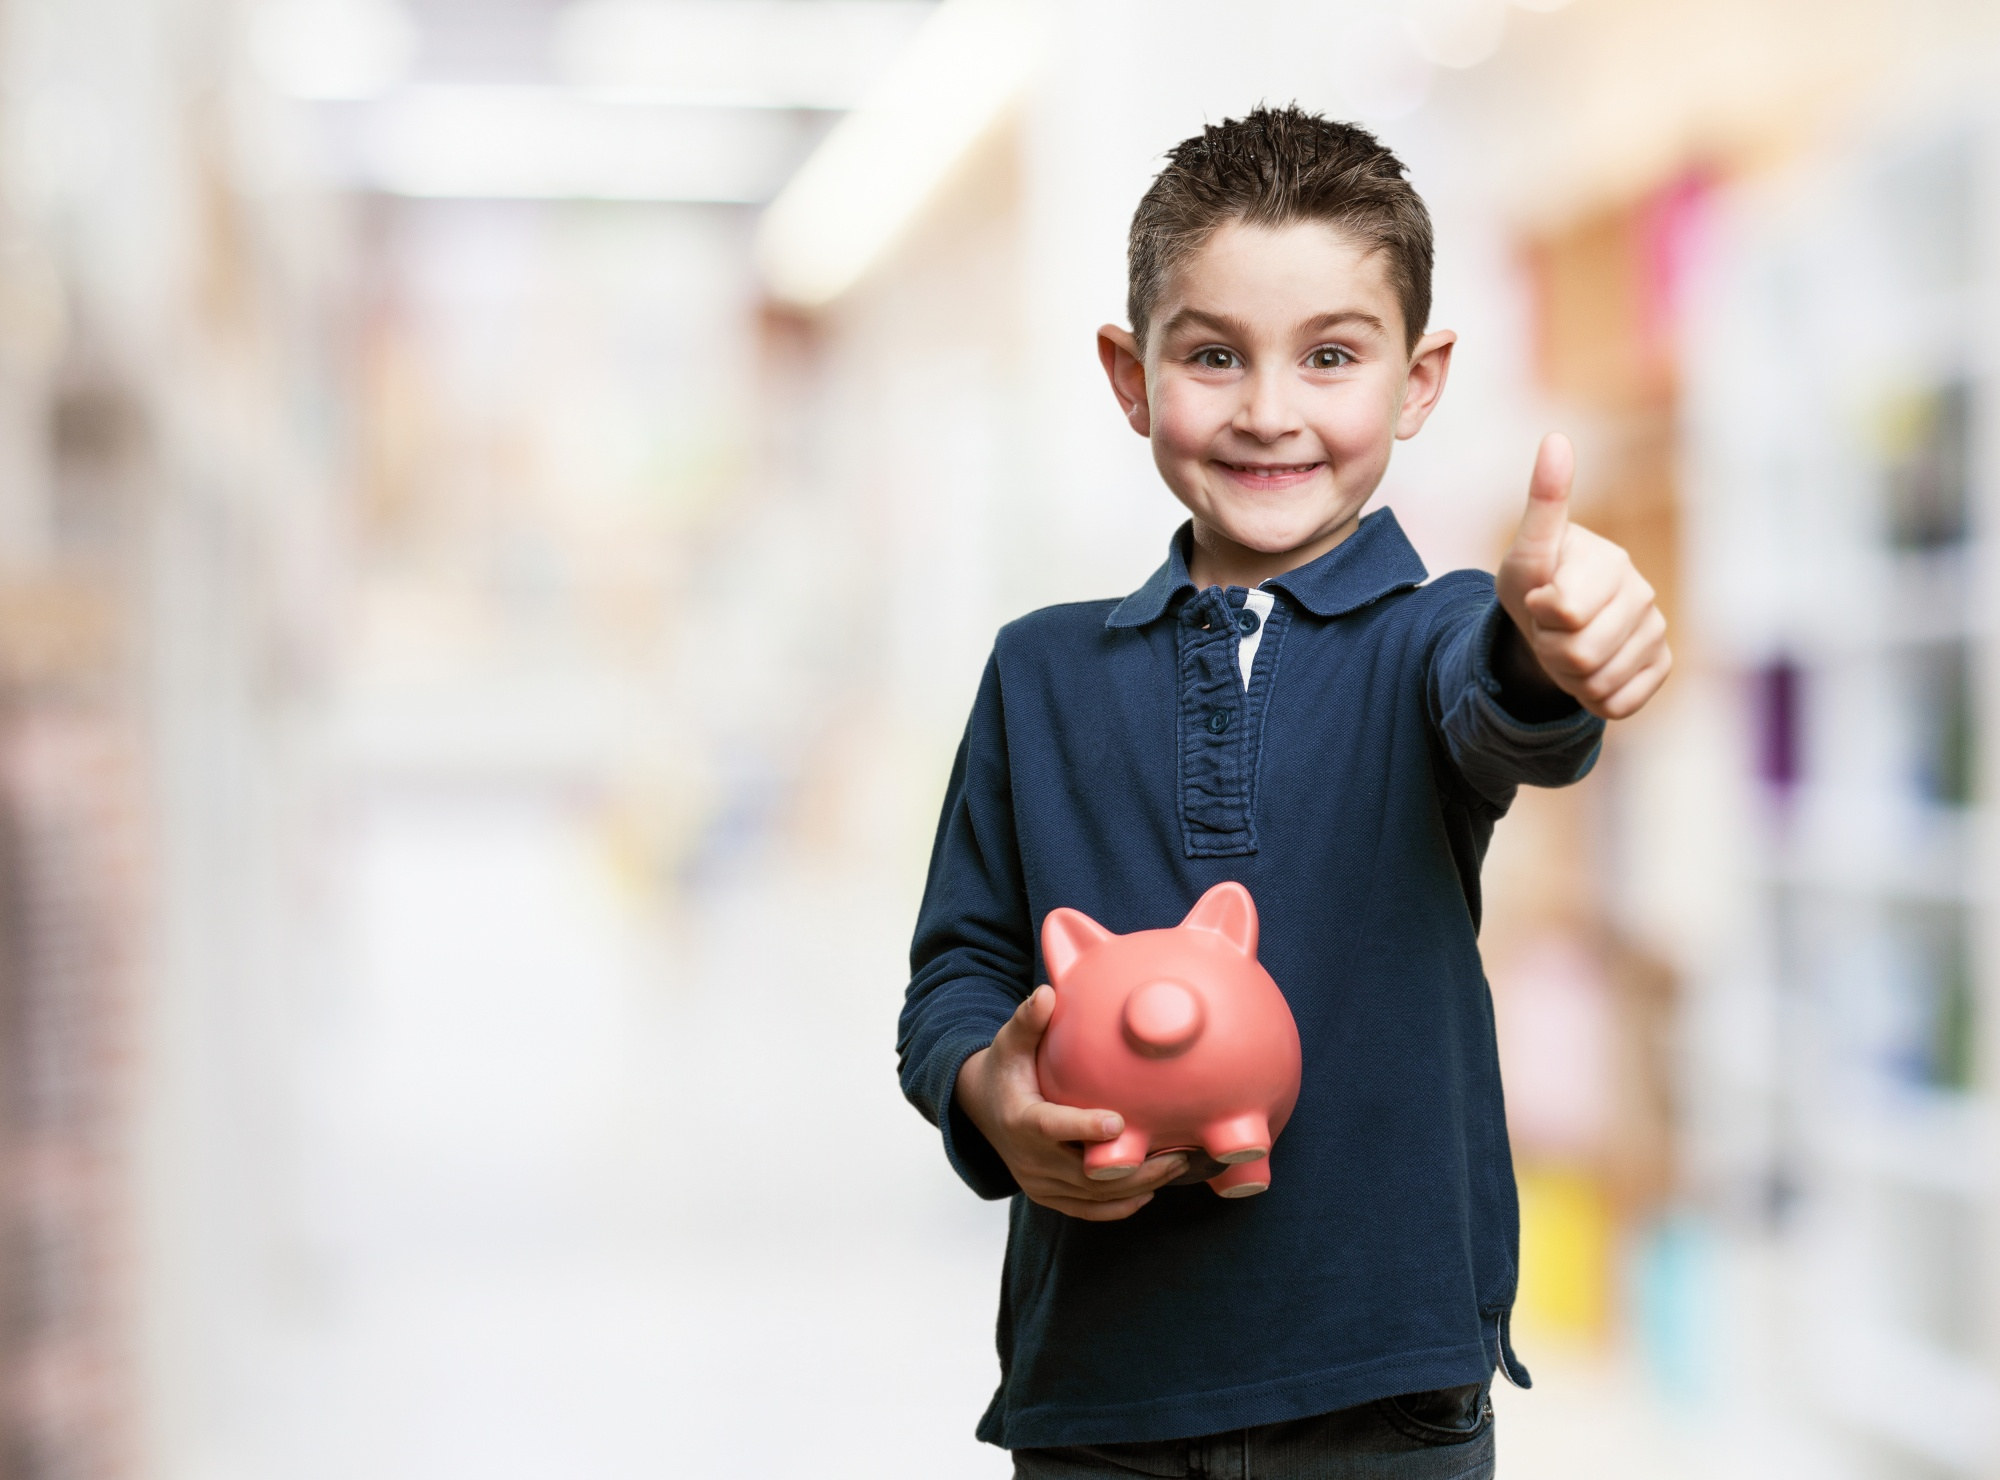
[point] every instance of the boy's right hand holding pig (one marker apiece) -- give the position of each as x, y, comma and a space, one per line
1001, 1094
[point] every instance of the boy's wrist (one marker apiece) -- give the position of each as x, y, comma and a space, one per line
969, 1090
1526, 691
969, 1145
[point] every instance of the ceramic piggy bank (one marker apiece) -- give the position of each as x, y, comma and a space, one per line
1180, 1031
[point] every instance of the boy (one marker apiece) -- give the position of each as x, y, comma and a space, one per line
1285, 703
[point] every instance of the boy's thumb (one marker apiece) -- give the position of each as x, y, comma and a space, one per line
1538, 543
1031, 1018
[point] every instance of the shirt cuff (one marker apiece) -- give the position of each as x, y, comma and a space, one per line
1497, 751
965, 1146
971, 1155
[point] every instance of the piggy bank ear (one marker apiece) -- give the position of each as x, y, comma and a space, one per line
1227, 909
1066, 935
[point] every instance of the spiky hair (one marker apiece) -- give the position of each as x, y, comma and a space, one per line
1273, 167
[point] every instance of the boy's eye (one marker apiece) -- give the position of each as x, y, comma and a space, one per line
1329, 357
1213, 358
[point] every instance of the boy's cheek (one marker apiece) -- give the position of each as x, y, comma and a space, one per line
1187, 418
1359, 425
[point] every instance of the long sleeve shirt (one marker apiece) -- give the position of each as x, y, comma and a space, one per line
1117, 762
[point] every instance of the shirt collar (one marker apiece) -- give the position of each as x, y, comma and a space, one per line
1366, 566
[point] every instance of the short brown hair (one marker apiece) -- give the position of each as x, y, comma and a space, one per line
1272, 167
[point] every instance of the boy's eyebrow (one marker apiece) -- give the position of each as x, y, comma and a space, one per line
1236, 328
1200, 318
1344, 316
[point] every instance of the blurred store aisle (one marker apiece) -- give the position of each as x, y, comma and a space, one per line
485, 614
611, 1229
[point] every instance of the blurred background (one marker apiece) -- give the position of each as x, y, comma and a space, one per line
503, 506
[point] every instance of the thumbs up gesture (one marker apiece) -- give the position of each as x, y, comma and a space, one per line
1584, 613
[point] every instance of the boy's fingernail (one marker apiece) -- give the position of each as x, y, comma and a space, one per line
1110, 1126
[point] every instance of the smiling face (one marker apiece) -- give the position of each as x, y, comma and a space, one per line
1275, 380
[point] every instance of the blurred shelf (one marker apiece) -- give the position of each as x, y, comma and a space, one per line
1841, 507
1854, 841
1930, 596
1938, 1140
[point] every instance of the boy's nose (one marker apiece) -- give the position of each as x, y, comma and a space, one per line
1266, 412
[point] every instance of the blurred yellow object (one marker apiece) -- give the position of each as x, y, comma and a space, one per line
1566, 1238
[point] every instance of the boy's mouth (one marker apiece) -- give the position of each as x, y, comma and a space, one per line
1270, 475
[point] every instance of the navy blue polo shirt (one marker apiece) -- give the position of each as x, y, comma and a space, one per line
1116, 763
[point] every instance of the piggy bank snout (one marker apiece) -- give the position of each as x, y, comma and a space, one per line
1163, 1018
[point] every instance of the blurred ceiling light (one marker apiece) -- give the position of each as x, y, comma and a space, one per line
747, 53
875, 170
545, 143
1457, 33
332, 49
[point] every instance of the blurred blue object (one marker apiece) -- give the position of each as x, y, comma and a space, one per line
1674, 1274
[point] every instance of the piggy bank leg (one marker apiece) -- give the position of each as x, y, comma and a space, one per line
1105, 1160
1241, 1138
1245, 1179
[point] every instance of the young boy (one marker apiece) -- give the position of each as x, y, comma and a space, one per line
1286, 703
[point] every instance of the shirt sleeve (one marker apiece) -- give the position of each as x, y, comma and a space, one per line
972, 961
1493, 752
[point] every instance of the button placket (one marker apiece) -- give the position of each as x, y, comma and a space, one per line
1219, 729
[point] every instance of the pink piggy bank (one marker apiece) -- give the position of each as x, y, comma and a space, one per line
1180, 1031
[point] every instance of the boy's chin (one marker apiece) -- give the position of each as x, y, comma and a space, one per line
1275, 537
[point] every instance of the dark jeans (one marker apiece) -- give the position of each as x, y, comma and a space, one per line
1443, 1435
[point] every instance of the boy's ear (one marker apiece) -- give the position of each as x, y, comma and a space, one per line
1066, 935
1125, 367
1228, 910
1430, 363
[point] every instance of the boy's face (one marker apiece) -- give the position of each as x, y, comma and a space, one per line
1275, 381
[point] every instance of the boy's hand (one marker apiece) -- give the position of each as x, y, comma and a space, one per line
1000, 1094
1585, 614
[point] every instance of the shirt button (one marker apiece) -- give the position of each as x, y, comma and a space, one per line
1218, 721
1247, 621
